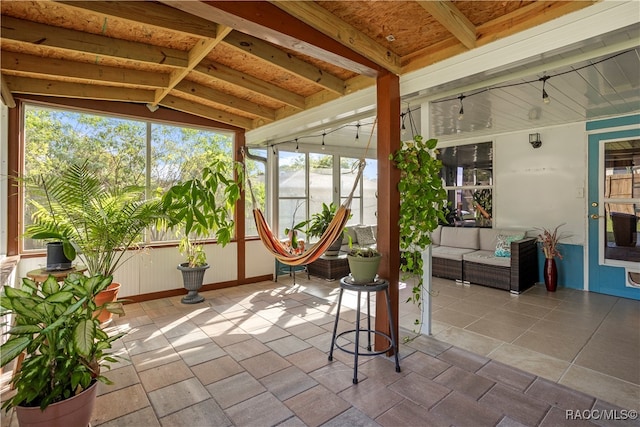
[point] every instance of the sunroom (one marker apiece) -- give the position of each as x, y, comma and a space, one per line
536, 109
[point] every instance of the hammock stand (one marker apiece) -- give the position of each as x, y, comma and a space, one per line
333, 231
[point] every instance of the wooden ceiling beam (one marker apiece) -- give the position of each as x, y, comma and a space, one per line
215, 70
190, 107
38, 67
267, 22
76, 90
7, 96
215, 96
19, 30
281, 59
527, 17
150, 13
320, 18
450, 17
196, 54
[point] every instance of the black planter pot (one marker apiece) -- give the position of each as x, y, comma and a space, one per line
56, 260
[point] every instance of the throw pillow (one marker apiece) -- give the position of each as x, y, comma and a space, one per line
503, 247
365, 236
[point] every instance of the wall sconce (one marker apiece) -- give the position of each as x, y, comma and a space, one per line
534, 140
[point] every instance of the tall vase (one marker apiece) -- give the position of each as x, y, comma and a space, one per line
550, 274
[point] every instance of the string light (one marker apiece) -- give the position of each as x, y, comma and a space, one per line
461, 112
297, 147
323, 135
358, 131
545, 95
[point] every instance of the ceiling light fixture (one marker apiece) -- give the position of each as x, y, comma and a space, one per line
461, 112
391, 38
545, 95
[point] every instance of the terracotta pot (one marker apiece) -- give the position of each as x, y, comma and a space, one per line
108, 295
73, 412
550, 274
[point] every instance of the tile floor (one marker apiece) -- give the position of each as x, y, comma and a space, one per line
256, 355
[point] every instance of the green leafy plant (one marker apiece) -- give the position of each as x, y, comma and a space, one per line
292, 232
203, 207
363, 252
320, 221
422, 204
91, 220
64, 344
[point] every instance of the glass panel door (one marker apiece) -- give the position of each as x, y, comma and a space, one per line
621, 200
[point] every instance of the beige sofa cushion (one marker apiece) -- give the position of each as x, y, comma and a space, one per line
449, 252
459, 237
487, 257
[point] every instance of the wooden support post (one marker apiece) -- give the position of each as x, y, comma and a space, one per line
388, 239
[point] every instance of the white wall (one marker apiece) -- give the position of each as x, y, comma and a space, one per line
541, 187
155, 269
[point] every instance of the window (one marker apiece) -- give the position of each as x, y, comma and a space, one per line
292, 188
122, 151
256, 166
364, 205
467, 171
307, 180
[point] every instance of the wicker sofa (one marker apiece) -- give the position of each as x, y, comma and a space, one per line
478, 255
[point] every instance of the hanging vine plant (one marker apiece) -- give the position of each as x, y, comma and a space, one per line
422, 205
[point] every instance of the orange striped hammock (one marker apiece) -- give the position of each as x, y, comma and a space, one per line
331, 234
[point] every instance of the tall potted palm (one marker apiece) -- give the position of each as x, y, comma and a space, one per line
98, 224
202, 208
64, 345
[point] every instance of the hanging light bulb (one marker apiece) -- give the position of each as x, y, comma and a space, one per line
358, 131
297, 147
323, 135
545, 95
461, 112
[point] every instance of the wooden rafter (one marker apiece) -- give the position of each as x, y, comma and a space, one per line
320, 18
267, 22
31, 65
7, 97
288, 63
206, 111
225, 99
196, 54
447, 14
226, 74
150, 13
75, 41
77, 90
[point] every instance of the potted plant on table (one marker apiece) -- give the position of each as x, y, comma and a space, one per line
202, 207
63, 345
363, 264
549, 241
319, 223
94, 222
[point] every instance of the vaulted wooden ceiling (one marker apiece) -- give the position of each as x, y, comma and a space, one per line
242, 63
